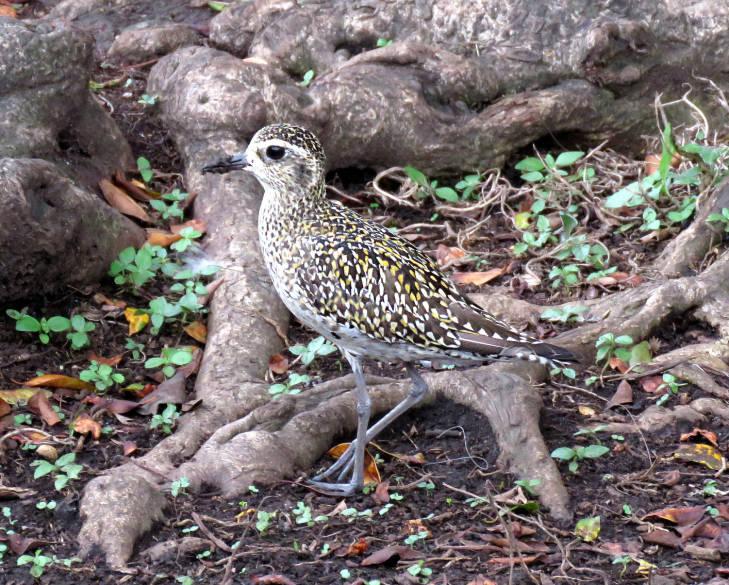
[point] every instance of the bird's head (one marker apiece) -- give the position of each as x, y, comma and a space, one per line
282, 157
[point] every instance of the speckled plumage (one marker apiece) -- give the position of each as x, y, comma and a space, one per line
363, 287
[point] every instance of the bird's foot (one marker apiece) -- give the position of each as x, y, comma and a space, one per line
335, 489
344, 463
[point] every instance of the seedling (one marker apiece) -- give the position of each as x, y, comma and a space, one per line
623, 560
188, 235
168, 359
160, 310
672, 384
722, 218
43, 327
568, 314
38, 563
23, 419
468, 184
147, 100
420, 570
651, 222
179, 485
308, 78
609, 345
165, 420
184, 580
46, 505
536, 170
80, 328
137, 267
383, 43
145, 169
64, 469
576, 454
413, 538
102, 376
135, 347
528, 485
287, 387
315, 348
168, 205
430, 188
565, 276
263, 520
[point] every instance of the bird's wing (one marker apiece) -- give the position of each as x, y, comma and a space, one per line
389, 290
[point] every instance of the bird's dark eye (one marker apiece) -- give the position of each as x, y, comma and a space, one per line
275, 152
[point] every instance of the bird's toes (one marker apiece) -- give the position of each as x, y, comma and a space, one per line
333, 489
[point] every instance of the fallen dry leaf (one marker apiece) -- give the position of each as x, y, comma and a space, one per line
382, 493
129, 447
8, 11
5, 408
122, 202
112, 361
137, 319
651, 384
416, 526
528, 560
59, 381
275, 579
8, 492
84, 424
663, 537
710, 436
481, 580
278, 363
197, 330
171, 391
477, 278
162, 238
623, 395
652, 161
20, 395
619, 365
417, 459
357, 548
701, 453
679, 516
384, 555
134, 188
448, 255
196, 224
39, 404
108, 304
371, 473
112, 405
585, 410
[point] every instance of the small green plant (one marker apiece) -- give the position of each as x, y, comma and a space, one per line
161, 310
383, 43
722, 218
168, 205
147, 100
315, 348
537, 170
165, 420
609, 345
263, 520
102, 376
468, 185
184, 580
22, 419
307, 78
421, 571
188, 235
168, 359
64, 469
145, 169
38, 563
80, 328
136, 348
528, 485
411, 539
3, 550
46, 505
565, 276
345, 574
303, 515
428, 188
288, 387
179, 486
651, 222
623, 560
137, 267
672, 384
576, 454
568, 314
43, 327
428, 486
217, 6
627, 510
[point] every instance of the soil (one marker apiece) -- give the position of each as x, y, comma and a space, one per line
450, 509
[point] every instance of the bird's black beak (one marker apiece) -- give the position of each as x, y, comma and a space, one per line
232, 163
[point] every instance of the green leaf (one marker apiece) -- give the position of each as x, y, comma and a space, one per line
594, 451
588, 529
563, 453
640, 354
447, 194
624, 340
633, 194
145, 169
181, 357
416, 176
531, 163
217, 6
43, 468
566, 159
58, 324
533, 177
126, 256
154, 362
686, 211
28, 324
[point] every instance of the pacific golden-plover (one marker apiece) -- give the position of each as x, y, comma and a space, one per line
373, 294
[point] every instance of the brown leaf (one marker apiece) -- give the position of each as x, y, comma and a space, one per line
358, 548
663, 537
8, 11
5, 408
197, 330
382, 495
710, 436
39, 404
112, 361
379, 557
108, 304
701, 453
652, 161
477, 278
586, 410
20, 544
481, 580
371, 473
618, 364
162, 238
623, 395
59, 381
680, 516
196, 224
171, 391
112, 405
137, 319
416, 526
514, 560
271, 580
84, 424
134, 188
669, 478
119, 200
447, 256
129, 447
278, 363
651, 384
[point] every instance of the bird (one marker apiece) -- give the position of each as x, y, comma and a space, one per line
372, 293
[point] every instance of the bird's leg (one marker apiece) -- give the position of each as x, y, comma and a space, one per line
417, 393
360, 443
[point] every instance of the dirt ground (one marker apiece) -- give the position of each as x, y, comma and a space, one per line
452, 515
